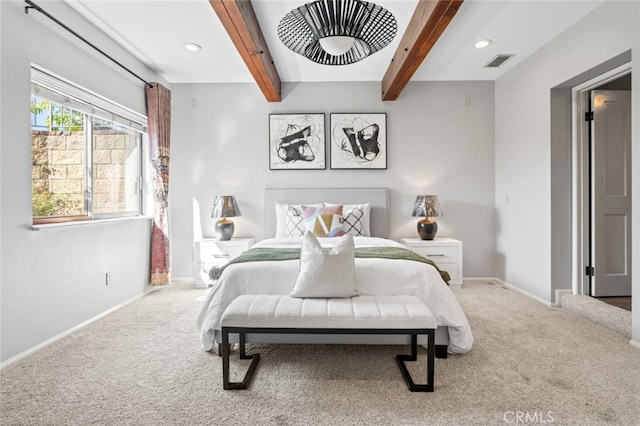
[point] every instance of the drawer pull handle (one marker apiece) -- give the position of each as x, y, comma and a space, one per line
434, 255
221, 255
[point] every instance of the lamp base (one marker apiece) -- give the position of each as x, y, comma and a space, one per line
427, 228
224, 229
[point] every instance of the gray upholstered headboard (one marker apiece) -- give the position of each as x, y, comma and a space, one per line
378, 197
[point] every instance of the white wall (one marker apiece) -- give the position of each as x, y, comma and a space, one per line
523, 148
436, 144
53, 280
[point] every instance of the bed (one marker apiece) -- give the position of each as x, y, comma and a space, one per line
375, 276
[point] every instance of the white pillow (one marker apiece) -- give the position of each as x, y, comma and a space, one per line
323, 274
356, 219
289, 220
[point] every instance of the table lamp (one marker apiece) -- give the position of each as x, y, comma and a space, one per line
427, 206
224, 206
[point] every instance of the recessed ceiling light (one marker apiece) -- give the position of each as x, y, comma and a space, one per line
192, 47
483, 43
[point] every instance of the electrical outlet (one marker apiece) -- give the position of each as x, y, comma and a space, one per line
107, 278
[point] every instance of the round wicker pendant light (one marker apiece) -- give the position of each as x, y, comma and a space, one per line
350, 30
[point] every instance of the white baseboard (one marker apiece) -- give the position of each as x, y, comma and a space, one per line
181, 280
480, 278
635, 344
72, 330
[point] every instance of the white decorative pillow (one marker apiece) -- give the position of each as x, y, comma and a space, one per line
356, 219
289, 220
323, 221
323, 274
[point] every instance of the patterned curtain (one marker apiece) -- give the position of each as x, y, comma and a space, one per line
159, 128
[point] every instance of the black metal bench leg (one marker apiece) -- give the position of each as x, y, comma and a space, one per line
226, 384
401, 358
431, 352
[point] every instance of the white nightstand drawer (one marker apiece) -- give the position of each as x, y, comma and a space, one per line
444, 252
439, 254
213, 254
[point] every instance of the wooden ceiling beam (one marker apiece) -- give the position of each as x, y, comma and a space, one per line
240, 22
427, 24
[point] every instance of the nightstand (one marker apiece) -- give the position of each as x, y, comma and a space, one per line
445, 252
210, 252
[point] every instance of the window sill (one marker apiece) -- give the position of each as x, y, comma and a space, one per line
88, 222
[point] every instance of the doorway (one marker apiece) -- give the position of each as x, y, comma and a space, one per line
603, 147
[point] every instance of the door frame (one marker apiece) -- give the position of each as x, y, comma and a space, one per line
580, 185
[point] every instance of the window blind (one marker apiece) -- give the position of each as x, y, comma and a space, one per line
47, 85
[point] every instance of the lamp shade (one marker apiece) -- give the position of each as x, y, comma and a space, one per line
337, 32
427, 206
225, 206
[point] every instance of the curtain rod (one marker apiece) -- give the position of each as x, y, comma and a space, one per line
32, 5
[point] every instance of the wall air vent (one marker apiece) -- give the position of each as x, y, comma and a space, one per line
498, 60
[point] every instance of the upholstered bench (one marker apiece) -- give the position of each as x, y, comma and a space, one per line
275, 314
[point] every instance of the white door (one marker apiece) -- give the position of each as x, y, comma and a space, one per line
611, 188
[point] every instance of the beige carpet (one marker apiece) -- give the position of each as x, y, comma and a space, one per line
142, 365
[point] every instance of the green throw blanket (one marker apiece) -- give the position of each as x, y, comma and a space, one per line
271, 254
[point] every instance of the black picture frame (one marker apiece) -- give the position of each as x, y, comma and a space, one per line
358, 141
297, 142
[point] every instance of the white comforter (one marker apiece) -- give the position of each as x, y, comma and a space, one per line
372, 276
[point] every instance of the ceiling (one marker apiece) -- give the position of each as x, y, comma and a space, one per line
156, 30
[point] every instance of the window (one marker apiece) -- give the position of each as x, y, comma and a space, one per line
86, 153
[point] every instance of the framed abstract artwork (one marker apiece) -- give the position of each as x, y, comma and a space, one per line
358, 141
296, 142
